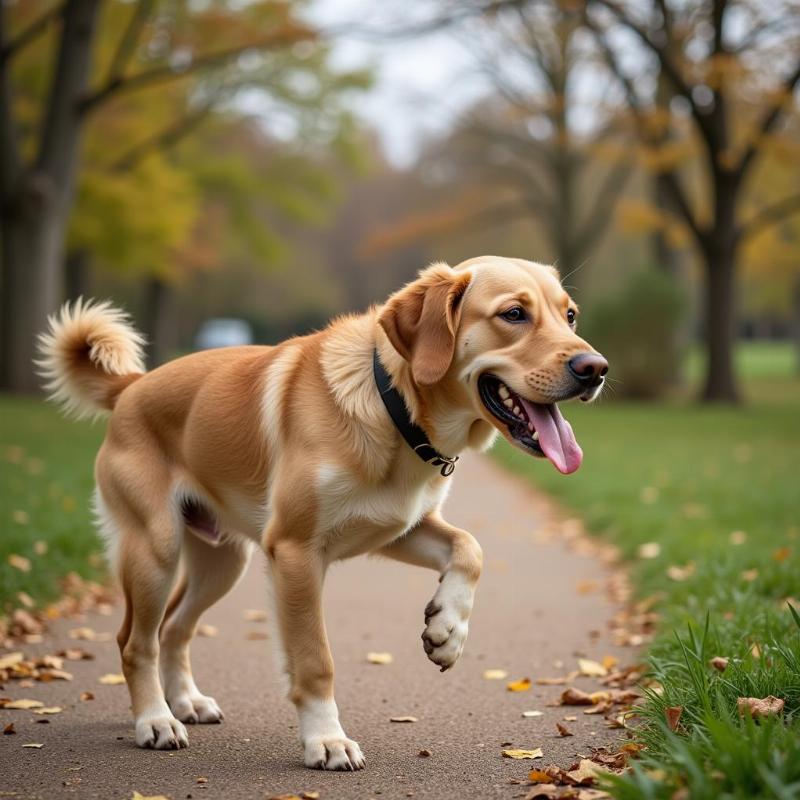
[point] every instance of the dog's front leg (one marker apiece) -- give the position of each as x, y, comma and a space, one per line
298, 573
457, 555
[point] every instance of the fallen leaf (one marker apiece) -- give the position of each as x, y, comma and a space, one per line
520, 754
679, 574
719, 663
309, 795
587, 587
112, 679
599, 708
543, 791
19, 562
24, 705
591, 669
10, 660
781, 554
750, 575
533, 713
137, 796
563, 730
755, 650
609, 662
575, 697
649, 550
76, 654
380, 658
54, 675
9, 729
586, 773
403, 719
495, 674
89, 635
758, 708
86, 696
21, 518
40, 548
202, 780
738, 537
25, 599
208, 631
48, 710
570, 718
673, 716
538, 776
424, 754
254, 615
34, 745
522, 685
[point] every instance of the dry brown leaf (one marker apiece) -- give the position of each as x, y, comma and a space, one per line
48, 710
781, 554
54, 675
137, 796
76, 654
254, 615
380, 658
522, 685
25, 599
9, 729
34, 745
609, 662
207, 631
738, 537
586, 773
424, 754
202, 779
533, 713
576, 697
403, 719
679, 574
112, 679
649, 550
523, 754
755, 650
11, 660
719, 663
309, 795
495, 674
600, 708
86, 696
24, 704
673, 716
591, 669
539, 776
19, 562
760, 707
563, 730
89, 635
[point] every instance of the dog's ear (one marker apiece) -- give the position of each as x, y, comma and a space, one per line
421, 321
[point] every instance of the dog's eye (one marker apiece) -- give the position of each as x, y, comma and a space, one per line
515, 314
571, 317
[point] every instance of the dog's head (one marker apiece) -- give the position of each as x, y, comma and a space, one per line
505, 331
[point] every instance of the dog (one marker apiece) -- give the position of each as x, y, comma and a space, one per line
324, 447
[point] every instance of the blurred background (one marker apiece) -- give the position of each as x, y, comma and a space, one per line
245, 170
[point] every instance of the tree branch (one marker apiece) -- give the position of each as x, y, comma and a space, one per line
284, 36
771, 215
27, 35
130, 39
10, 157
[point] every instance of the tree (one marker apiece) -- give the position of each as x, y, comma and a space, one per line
725, 61
214, 52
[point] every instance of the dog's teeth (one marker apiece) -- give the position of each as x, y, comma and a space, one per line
516, 410
508, 403
536, 436
503, 392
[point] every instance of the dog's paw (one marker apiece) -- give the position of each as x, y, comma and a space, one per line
196, 708
447, 621
338, 753
160, 731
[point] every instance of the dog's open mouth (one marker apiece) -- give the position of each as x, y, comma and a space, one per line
541, 429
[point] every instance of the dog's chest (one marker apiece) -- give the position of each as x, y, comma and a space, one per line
353, 518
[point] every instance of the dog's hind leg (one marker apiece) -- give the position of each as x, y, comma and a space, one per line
209, 573
147, 566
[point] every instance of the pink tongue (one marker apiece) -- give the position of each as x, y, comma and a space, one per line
555, 436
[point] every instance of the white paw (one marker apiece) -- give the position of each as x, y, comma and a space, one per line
160, 731
340, 753
194, 708
447, 621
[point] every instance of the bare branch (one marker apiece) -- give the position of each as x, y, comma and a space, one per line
771, 215
279, 38
27, 35
129, 41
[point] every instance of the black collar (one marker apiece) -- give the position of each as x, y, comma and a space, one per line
414, 435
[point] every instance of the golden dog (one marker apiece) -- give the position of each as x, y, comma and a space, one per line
293, 448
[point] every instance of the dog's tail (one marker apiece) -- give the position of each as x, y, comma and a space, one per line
89, 353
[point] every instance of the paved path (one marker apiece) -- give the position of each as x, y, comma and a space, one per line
528, 617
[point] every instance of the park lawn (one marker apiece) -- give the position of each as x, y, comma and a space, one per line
695, 480
45, 487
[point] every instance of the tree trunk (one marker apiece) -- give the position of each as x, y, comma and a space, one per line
720, 383
36, 203
159, 321
76, 275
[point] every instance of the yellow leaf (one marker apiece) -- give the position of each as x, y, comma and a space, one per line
112, 679
137, 796
537, 776
24, 705
591, 669
520, 754
495, 674
403, 719
522, 685
10, 659
380, 658
48, 710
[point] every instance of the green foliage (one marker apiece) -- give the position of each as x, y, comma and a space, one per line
686, 478
636, 328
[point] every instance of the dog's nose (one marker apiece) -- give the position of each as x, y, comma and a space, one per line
588, 368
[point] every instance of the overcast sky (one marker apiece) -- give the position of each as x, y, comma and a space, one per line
421, 83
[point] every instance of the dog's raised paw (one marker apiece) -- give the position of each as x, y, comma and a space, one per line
160, 732
446, 621
334, 754
193, 709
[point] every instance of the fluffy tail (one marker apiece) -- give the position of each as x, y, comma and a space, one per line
88, 355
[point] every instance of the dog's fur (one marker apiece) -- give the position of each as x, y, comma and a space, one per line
290, 448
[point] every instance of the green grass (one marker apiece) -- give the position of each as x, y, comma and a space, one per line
687, 477
45, 486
